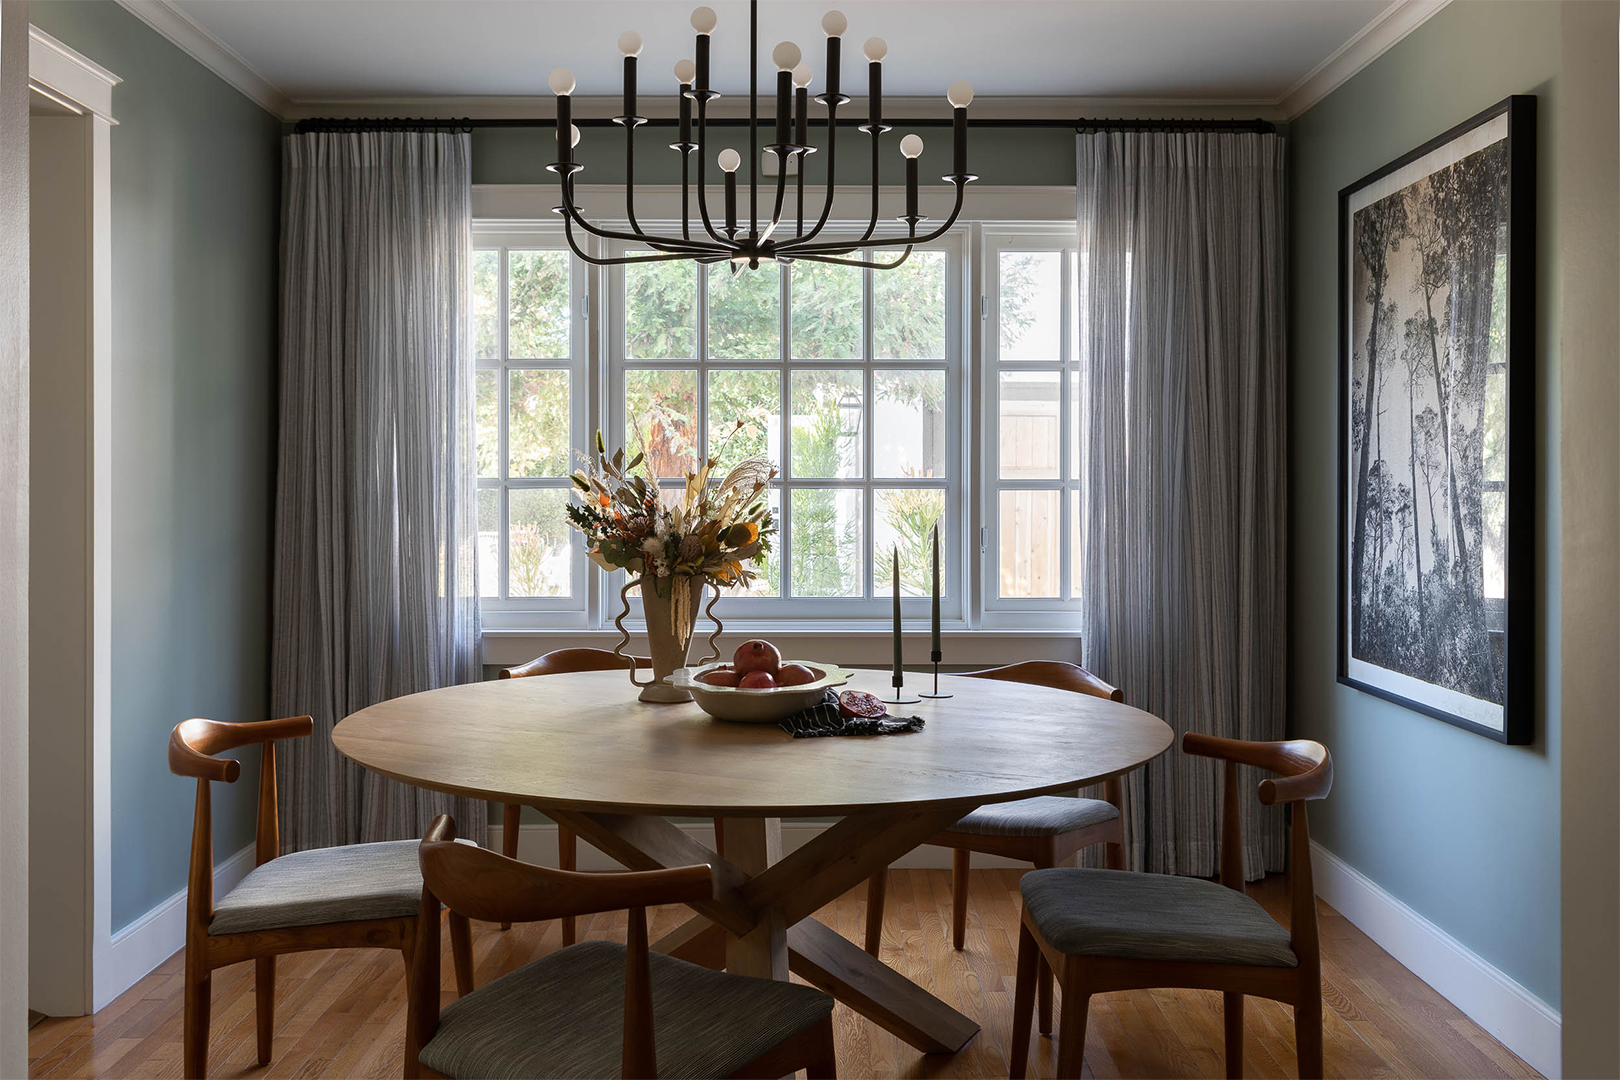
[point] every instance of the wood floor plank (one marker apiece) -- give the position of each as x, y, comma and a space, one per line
342, 1014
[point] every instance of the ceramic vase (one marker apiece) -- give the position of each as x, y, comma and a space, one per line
670, 607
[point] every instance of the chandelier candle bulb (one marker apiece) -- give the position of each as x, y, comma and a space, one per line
562, 82
801, 80
911, 146
704, 21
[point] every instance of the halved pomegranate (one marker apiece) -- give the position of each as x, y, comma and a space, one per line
859, 705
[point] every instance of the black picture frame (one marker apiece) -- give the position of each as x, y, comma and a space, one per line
1434, 638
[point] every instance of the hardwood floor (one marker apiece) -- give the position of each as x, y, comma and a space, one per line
342, 1014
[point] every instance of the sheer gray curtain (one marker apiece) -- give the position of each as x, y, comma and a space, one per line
1184, 434
376, 527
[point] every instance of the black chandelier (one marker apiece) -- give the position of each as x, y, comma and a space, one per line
728, 242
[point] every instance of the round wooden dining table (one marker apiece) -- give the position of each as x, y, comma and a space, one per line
584, 751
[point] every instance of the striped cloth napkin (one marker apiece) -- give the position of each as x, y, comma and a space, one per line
825, 719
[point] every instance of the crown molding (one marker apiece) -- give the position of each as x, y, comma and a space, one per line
188, 35
1372, 41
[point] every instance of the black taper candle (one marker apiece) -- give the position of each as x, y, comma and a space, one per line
833, 49
702, 62
934, 639
565, 128
911, 187
874, 92
899, 677
784, 109
801, 136
959, 142
629, 86
686, 114
731, 203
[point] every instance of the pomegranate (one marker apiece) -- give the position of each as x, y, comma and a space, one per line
758, 680
757, 655
719, 677
794, 675
859, 705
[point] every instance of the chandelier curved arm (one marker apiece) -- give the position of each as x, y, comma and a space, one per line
571, 214
781, 193
630, 176
628, 260
832, 177
702, 193
847, 246
864, 264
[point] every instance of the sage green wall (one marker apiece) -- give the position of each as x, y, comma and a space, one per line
1464, 830
195, 188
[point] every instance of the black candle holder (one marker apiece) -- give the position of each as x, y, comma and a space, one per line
936, 656
900, 697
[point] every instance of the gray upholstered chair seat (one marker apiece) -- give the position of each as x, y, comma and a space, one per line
324, 885
563, 1016
1152, 917
1044, 815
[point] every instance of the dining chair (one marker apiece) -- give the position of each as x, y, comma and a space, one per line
364, 896
1103, 930
597, 1008
560, 662
1043, 831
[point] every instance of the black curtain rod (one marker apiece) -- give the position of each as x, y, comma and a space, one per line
1262, 127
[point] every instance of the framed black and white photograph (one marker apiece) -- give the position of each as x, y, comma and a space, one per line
1437, 392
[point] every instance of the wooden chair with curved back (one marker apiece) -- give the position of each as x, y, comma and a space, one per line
1103, 931
560, 662
558, 1015
365, 896
1043, 831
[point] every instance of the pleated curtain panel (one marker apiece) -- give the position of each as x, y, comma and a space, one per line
376, 528
1183, 433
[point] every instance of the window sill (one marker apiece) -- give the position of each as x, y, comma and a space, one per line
863, 645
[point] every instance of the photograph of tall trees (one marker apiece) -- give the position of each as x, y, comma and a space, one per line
1430, 321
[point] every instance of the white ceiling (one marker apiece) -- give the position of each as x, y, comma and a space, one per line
1218, 50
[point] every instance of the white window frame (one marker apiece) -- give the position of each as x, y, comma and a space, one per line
573, 611
873, 605
1000, 612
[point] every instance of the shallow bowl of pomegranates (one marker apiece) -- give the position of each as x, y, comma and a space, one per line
758, 705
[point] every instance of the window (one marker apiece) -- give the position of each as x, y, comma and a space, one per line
862, 386
1032, 446
848, 379
531, 410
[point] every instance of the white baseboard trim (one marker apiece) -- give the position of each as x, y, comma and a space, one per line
157, 935
537, 843
1517, 1018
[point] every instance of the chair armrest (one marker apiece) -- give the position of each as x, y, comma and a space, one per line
1304, 768
483, 885
193, 743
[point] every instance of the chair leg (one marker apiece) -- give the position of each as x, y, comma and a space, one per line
961, 859
1072, 1035
199, 985
1308, 1032
1045, 861
1234, 1035
720, 837
876, 887
264, 991
823, 1065
567, 853
1023, 1002
511, 823
461, 952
